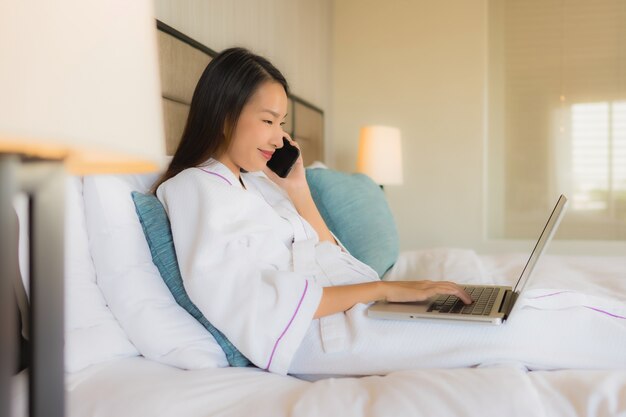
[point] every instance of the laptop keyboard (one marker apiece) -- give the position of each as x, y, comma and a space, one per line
483, 302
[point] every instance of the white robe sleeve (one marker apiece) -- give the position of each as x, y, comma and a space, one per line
236, 270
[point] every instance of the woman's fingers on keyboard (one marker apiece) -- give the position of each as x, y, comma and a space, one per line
401, 291
452, 288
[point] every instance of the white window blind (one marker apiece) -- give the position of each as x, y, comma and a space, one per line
557, 116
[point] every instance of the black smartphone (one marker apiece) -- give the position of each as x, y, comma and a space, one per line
283, 159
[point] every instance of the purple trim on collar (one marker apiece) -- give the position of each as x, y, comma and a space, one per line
306, 286
216, 174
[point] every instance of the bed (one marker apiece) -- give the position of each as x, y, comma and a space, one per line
136, 386
145, 356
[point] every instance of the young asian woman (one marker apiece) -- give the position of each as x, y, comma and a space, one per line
255, 254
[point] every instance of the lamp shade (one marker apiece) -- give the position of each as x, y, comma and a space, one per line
79, 81
380, 154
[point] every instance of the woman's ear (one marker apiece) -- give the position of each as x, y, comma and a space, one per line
228, 127
228, 131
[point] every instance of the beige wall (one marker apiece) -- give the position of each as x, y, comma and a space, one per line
420, 66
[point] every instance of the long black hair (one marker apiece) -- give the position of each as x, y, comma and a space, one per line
226, 85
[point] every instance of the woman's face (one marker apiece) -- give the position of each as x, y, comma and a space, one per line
259, 130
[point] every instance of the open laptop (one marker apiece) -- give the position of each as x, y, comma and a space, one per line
492, 304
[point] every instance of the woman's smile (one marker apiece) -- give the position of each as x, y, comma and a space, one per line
267, 154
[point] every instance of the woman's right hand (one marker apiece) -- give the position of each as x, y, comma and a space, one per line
343, 297
406, 291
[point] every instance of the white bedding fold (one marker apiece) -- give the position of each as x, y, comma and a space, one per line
560, 299
537, 339
566, 282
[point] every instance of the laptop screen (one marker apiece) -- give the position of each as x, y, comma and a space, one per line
543, 241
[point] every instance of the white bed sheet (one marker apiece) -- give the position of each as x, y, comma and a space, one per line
138, 387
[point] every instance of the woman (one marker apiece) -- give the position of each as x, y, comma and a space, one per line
255, 254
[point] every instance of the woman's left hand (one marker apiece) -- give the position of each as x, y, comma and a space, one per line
297, 189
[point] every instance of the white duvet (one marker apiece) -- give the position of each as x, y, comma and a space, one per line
137, 387
572, 315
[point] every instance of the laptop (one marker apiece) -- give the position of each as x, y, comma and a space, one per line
492, 304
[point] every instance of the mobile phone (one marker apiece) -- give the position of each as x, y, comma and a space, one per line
284, 159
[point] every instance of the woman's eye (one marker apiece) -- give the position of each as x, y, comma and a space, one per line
269, 122
283, 123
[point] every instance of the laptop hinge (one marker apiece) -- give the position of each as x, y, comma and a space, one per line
507, 303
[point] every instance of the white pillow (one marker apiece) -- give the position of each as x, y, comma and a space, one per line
92, 334
159, 328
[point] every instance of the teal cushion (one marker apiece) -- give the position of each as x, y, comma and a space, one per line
355, 209
156, 228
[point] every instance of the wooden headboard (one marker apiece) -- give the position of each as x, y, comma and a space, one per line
182, 61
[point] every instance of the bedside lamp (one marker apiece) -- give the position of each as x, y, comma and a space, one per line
79, 92
380, 154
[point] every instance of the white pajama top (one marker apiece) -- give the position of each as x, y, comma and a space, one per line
252, 264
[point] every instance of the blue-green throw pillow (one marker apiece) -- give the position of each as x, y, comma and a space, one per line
355, 209
156, 228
